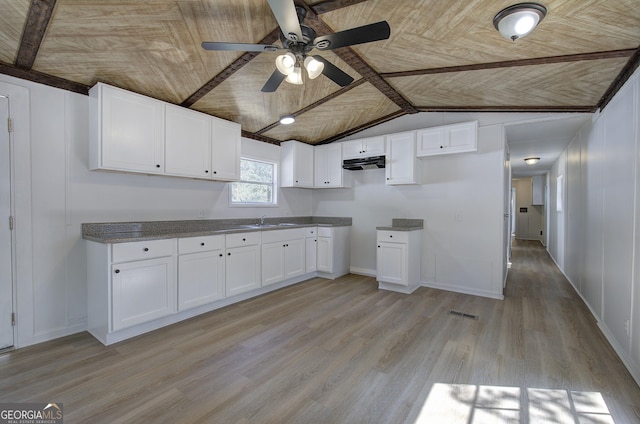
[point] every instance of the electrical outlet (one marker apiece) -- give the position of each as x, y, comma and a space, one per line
540, 232
626, 327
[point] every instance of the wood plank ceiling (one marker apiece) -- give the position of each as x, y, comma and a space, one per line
441, 56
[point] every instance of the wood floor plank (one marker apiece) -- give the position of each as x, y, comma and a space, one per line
343, 351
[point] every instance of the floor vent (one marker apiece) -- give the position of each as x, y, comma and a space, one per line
462, 314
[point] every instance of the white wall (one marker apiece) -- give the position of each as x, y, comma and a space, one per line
56, 193
598, 249
461, 202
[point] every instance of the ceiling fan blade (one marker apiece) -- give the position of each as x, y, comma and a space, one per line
334, 73
243, 47
285, 13
273, 82
364, 34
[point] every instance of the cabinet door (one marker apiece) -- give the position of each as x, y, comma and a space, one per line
294, 258
325, 254
310, 253
273, 262
320, 171
200, 278
431, 141
242, 269
132, 132
462, 137
373, 146
401, 159
225, 150
352, 149
142, 291
187, 143
392, 263
334, 169
303, 165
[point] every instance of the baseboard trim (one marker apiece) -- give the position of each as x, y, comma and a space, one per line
463, 290
363, 271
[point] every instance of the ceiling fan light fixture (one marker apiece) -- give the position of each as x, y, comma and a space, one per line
314, 67
287, 119
531, 161
295, 77
286, 63
519, 20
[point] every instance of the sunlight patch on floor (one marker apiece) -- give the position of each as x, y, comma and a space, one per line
473, 404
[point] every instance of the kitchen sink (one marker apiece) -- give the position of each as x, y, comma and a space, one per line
256, 226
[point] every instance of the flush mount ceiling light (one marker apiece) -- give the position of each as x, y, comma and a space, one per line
519, 20
288, 119
531, 161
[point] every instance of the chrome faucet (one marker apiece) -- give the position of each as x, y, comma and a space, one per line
262, 219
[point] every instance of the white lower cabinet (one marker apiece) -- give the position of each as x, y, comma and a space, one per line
143, 291
398, 260
283, 255
201, 276
325, 254
242, 263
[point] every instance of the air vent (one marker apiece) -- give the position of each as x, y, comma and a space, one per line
462, 314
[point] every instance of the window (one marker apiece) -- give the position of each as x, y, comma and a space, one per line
257, 185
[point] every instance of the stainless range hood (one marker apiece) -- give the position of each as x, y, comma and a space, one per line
373, 162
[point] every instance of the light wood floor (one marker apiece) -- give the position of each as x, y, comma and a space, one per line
343, 352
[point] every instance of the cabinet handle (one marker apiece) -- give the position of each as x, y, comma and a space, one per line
387, 178
157, 165
146, 249
244, 239
442, 147
206, 171
390, 235
215, 172
378, 247
229, 254
284, 245
201, 244
117, 271
221, 255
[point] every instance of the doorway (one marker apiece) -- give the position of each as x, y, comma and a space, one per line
6, 230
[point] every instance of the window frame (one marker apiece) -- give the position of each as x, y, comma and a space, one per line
274, 184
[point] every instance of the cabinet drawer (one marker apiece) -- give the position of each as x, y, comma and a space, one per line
282, 235
311, 232
393, 236
134, 251
242, 239
325, 232
200, 244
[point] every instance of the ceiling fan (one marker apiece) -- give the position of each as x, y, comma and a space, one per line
299, 39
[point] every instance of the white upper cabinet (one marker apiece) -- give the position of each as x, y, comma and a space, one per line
456, 138
134, 133
127, 131
225, 147
187, 143
296, 164
401, 164
363, 148
328, 166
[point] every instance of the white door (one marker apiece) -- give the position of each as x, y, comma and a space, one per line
6, 289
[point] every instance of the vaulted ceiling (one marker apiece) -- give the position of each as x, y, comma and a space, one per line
441, 56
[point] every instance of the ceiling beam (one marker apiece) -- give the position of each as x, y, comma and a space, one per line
39, 77
234, 67
315, 104
513, 63
547, 109
362, 127
259, 137
622, 77
351, 58
35, 27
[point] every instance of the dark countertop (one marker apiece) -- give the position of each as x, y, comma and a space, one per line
122, 232
404, 224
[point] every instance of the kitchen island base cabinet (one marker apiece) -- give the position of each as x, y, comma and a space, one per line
398, 260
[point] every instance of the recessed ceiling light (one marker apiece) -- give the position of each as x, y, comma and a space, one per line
288, 119
531, 161
519, 20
